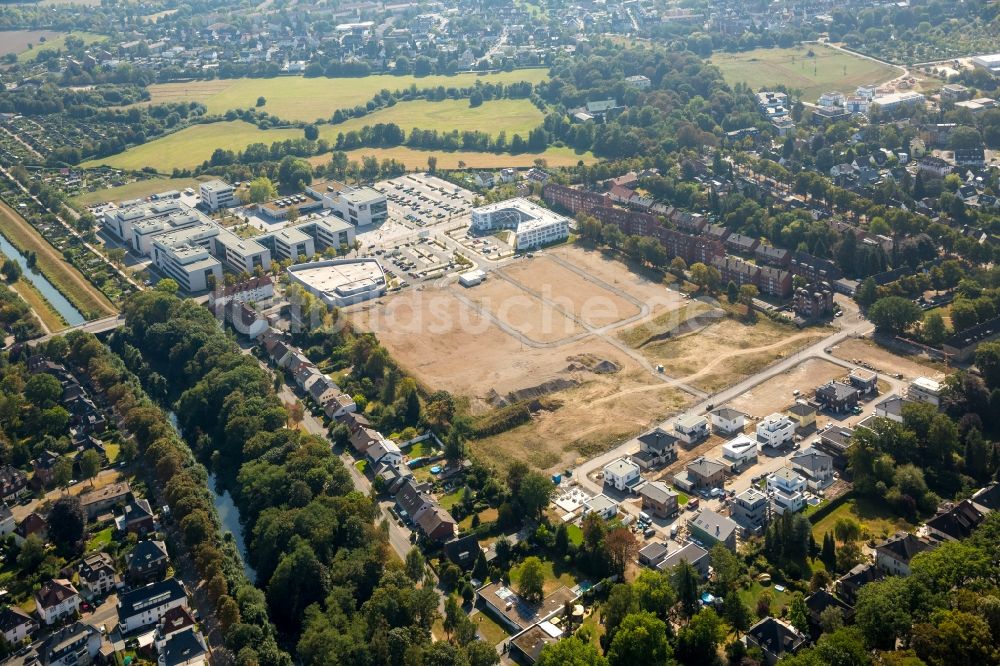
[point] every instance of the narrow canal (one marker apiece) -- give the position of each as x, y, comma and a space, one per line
50, 293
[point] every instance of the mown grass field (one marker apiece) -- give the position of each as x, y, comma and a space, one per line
513, 116
16, 41
193, 145
417, 159
55, 44
828, 69
68, 280
299, 98
137, 190
877, 520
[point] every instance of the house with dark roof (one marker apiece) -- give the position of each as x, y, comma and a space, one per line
13, 483
174, 620
98, 574
815, 466
988, 498
55, 600
705, 472
862, 574
727, 420
821, 600
436, 523
835, 440
658, 499
656, 449
147, 562
463, 551
893, 555
837, 396
411, 498
652, 554
957, 523
775, 639
144, 606
184, 648
16, 625
691, 553
711, 528
892, 407
775, 282
32, 524
44, 469
74, 645
137, 518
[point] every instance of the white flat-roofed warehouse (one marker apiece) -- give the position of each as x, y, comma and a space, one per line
991, 62
532, 225
341, 282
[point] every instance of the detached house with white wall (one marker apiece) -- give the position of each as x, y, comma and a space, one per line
786, 488
776, 430
55, 600
815, 466
622, 474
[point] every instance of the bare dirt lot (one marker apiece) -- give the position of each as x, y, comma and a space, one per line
520, 310
585, 299
885, 362
588, 391
776, 393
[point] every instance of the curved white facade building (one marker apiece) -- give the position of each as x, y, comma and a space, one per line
532, 225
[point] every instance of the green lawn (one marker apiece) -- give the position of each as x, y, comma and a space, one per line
485, 516
299, 98
553, 579
876, 518
778, 599
98, 540
139, 189
361, 466
829, 69
55, 44
682, 499
489, 629
575, 534
421, 449
193, 145
451, 499
514, 116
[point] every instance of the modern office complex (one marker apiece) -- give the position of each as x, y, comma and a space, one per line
532, 225
361, 206
216, 194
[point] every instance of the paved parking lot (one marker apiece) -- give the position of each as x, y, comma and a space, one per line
420, 201
489, 246
422, 259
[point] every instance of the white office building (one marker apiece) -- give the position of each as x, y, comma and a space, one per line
775, 430
291, 243
216, 194
240, 254
361, 206
532, 225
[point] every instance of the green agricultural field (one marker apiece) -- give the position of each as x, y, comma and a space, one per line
513, 116
56, 44
139, 189
192, 145
299, 98
827, 69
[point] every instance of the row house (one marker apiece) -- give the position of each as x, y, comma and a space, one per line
740, 244
773, 256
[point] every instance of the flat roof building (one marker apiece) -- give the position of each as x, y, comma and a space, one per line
361, 206
216, 194
341, 282
532, 225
